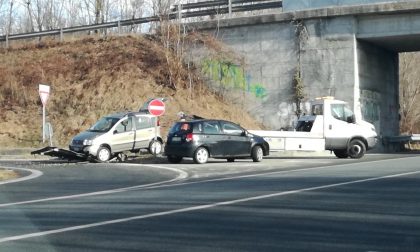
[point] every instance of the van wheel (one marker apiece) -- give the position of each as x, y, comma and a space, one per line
174, 159
104, 154
201, 155
257, 154
230, 160
356, 149
155, 147
341, 153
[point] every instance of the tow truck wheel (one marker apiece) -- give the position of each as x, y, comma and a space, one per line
341, 153
356, 149
155, 147
104, 154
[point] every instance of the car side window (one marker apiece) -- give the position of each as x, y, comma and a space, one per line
198, 127
124, 126
211, 127
231, 129
142, 122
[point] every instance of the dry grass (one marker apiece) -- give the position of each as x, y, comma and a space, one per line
92, 77
7, 174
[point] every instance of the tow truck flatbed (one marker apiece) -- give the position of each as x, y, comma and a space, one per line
60, 153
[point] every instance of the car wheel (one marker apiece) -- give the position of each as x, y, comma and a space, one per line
104, 154
230, 160
155, 147
201, 155
341, 153
356, 149
257, 154
174, 159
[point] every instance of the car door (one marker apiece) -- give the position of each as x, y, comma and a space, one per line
212, 137
236, 142
122, 138
144, 131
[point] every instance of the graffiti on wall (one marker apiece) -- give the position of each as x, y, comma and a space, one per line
232, 76
370, 105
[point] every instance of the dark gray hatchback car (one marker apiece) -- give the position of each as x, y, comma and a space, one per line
204, 138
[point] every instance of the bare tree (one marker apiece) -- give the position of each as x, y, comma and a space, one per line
2, 18
73, 15
409, 92
134, 10
162, 7
99, 11
9, 24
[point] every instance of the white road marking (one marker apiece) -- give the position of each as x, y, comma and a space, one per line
196, 208
164, 184
181, 175
270, 173
33, 174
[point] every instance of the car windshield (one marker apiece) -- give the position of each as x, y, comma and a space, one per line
104, 124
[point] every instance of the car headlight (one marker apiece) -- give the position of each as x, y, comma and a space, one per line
87, 142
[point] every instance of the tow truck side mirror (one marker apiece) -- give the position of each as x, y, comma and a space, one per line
351, 119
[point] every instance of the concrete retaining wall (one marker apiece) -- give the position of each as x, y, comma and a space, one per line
271, 53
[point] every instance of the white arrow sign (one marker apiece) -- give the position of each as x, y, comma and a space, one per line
44, 93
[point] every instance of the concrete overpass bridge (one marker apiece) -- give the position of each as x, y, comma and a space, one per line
343, 48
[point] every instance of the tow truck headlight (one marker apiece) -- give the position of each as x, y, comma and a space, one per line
87, 142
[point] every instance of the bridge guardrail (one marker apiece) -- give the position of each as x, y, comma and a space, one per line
401, 142
178, 12
403, 138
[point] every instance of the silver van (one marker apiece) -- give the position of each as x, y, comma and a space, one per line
114, 134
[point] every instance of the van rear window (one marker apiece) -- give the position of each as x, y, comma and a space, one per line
181, 126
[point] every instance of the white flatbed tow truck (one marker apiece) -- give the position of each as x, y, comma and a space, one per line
331, 125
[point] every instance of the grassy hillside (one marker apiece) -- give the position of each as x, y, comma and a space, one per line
90, 78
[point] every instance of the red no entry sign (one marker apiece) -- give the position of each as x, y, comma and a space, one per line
156, 107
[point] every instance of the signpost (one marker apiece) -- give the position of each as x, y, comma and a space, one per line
44, 93
157, 108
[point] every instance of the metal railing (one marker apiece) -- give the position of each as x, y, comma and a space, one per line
180, 11
401, 142
404, 138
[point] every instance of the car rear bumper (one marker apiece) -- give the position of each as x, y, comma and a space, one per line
180, 150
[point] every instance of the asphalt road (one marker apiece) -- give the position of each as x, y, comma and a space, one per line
280, 204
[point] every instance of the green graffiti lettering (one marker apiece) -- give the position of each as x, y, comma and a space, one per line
231, 76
